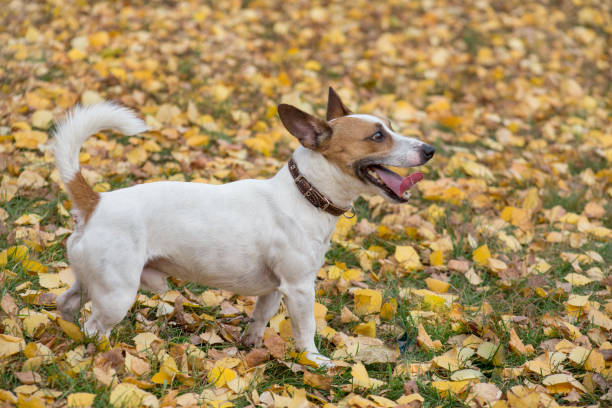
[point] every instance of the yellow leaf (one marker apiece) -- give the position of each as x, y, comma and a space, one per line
7, 396
562, 379
42, 119
447, 387
519, 217
477, 170
532, 200
76, 54
28, 219
577, 300
10, 345
70, 329
285, 330
18, 253
451, 121
199, 140
137, 155
303, 359
166, 373
436, 259
579, 355
322, 382
481, 255
438, 105
434, 302
312, 65
367, 301
366, 329
408, 258
90, 97
126, 395
103, 344
49, 280
99, 39
34, 401
434, 213
33, 266
595, 362
30, 139
320, 311
327, 332
426, 342
361, 378
487, 350
101, 187
466, 374
546, 363
151, 146
136, 366
343, 227
539, 268
437, 285
516, 344
495, 265
388, 309
599, 319
80, 400
33, 321
221, 92
576, 279
147, 342
221, 376
407, 399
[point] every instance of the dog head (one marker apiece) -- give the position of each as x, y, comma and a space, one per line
360, 145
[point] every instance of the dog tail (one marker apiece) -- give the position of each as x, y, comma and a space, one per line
71, 133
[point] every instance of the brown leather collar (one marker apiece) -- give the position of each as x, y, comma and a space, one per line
313, 195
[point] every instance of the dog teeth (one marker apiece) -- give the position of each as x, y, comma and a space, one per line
374, 175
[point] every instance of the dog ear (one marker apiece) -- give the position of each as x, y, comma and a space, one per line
335, 107
310, 131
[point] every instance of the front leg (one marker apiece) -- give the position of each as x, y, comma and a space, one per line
265, 308
299, 299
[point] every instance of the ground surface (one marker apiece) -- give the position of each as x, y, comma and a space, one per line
495, 277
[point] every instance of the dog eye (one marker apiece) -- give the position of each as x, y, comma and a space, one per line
377, 137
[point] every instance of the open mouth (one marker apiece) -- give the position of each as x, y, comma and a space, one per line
394, 185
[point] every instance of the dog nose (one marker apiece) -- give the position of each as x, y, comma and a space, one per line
428, 151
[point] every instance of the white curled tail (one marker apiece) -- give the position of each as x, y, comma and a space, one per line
71, 133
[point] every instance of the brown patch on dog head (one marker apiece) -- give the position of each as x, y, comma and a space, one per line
352, 141
83, 197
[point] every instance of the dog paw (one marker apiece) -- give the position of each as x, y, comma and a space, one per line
320, 359
251, 340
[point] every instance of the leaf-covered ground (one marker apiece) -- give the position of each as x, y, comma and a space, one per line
491, 288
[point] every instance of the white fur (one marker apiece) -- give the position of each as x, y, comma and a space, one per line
251, 237
84, 121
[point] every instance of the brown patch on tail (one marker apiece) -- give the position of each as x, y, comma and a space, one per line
83, 197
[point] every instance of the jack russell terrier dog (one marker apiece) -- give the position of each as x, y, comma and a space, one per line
265, 238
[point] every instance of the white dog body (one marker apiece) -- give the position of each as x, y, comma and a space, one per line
251, 237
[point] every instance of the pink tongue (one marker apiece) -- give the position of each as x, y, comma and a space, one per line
398, 184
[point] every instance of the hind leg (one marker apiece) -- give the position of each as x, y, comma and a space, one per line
69, 303
153, 280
